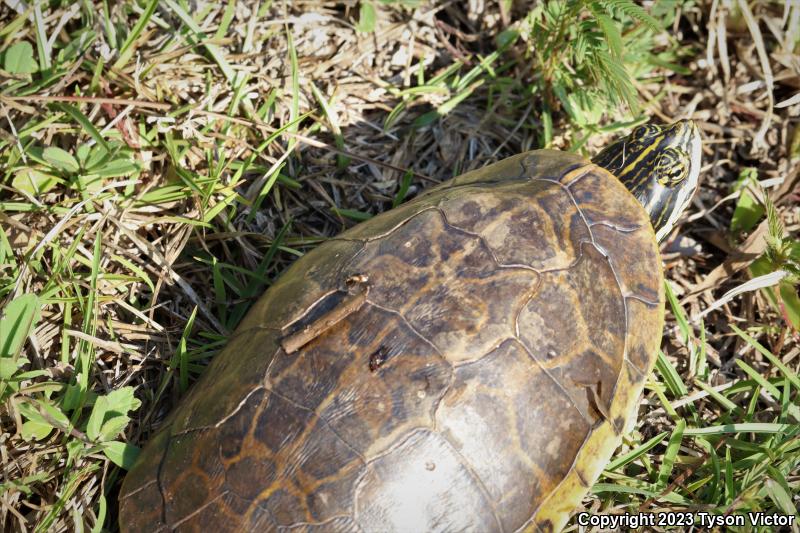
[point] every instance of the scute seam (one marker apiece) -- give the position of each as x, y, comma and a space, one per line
409, 324
400, 442
571, 469
386, 233
322, 418
175, 525
478, 359
224, 418
138, 489
159, 471
558, 384
481, 485
257, 504
485, 245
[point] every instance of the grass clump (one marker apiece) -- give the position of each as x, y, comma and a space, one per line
587, 56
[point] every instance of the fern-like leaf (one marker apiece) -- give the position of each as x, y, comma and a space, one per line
630, 9
609, 29
614, 76
580, 47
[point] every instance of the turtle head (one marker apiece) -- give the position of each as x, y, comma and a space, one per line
660, 165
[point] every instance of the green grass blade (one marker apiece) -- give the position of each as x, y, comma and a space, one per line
791, 376
780, 492
672, 497
42, 48
668, 461
750, 371
127, 49
214, 50
748, 427
402, 191
671, 377
294, 109
718, 397
182, 354
677, 311
352, 214
85, 123
730, 488
636, 452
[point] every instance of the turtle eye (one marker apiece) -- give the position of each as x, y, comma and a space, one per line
672, 166
644, 131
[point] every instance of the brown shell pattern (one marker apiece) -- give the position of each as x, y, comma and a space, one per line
511, 317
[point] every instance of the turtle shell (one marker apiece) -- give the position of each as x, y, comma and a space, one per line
465, 362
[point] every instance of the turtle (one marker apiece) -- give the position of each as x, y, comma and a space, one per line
466, 361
